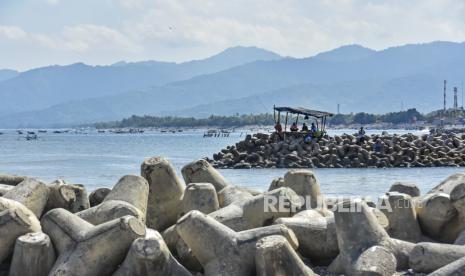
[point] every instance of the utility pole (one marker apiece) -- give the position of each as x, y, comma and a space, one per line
445, 82
462, 95
456, 106
337, 108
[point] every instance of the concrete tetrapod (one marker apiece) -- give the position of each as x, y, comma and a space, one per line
434, 212
305, 184
150, 257
201, 171
316, 234
400, 211
276, 183
365, 247
70, 197
14, 223
85, 249
165, 192
231, 194
427, 257
199, 196
98, 195
10, 179
405, 188
180, 250
221, 250
232, 216
447, 185
33, 255
275, 256
128, 197
264, 209
5, 189
456, 225
31, 193
455, 268
460, 239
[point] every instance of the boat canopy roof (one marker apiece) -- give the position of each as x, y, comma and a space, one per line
303, 111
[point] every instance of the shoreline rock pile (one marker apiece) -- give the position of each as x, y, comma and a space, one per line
344, 151
154, 224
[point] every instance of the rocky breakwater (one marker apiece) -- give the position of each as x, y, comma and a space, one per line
155, 224
344, 151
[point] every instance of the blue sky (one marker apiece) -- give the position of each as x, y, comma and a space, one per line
43, 32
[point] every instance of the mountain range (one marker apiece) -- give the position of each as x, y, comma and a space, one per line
7, 74
237, 80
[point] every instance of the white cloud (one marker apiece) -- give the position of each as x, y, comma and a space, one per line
179, 30
296, 28
12, 32
79, 38
86, 37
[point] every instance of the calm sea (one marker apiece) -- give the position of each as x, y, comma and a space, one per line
100, 159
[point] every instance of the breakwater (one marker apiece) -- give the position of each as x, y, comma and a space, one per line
344, 151
155, 224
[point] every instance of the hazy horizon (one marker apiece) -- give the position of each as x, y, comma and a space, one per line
221, 51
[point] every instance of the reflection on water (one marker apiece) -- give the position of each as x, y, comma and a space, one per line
97, 160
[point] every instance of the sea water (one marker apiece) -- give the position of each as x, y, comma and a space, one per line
100, 159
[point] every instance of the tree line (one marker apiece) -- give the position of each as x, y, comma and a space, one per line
173, 121
403, 117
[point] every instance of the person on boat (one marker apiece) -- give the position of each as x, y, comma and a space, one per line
313, 128
294, 127
304, 127
361, 135
279, 130
278, 127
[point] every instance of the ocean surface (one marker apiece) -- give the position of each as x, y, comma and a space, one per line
100, 159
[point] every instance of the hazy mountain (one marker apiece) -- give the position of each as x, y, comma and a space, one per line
367, 96
7, 74
48, 86
358, 78
346, 53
